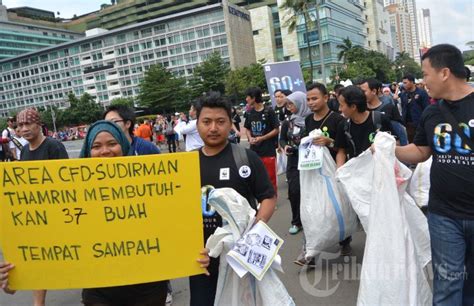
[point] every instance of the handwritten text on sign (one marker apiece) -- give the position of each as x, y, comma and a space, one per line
88, 223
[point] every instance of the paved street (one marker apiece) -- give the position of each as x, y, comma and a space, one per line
333, 282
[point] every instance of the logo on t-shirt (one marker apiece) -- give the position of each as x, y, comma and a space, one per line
224, 174
471, 123
245, 171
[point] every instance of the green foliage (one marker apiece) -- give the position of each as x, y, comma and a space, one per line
161, 91
404, 64
237, 81
361, 64
209, 76
84, 110
295, 9
123, 101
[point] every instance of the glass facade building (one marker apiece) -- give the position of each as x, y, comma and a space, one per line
17, 39
112, 64
339, 20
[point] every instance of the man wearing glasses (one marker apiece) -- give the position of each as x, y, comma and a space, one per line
124, 117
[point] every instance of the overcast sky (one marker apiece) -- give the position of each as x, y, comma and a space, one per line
452, 21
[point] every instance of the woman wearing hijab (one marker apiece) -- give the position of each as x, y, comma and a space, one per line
106, 139
292, 131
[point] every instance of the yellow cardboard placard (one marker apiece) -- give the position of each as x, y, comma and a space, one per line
87, 223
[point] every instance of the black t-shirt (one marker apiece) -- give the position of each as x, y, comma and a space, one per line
259, 124
452, 170
290, 135
390, 110
49, 149
328, 125
362, 134
221, 171
282, 113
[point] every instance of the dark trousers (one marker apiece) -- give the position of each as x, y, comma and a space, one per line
171, 143
452, 251
293, 177
203, 288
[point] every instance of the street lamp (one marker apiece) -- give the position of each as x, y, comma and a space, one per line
401, 67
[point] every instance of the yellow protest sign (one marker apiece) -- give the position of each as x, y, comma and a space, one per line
87, 223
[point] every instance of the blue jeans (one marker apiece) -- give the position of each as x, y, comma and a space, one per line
452, 248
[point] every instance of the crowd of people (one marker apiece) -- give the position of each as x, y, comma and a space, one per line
430, 118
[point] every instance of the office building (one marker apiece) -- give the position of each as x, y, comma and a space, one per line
111, 64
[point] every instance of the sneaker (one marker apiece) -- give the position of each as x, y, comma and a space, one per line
294, 229
169, 299
304, 263
346, 250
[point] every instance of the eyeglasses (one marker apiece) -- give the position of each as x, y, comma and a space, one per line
118, 120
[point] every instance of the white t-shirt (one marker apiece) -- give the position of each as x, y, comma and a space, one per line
12, 134
23, 142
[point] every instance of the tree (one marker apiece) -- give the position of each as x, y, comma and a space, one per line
123, 101
404, 64
302, 8
238, 80
209, 76
345, 47
161, 91
361, 64
84, 110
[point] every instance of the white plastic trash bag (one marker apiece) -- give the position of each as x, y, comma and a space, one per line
238, 216
397, 245
325, 211
281, 162
419, 187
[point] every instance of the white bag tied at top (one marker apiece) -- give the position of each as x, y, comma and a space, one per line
397, 245
238, 216
419, 187
325, 211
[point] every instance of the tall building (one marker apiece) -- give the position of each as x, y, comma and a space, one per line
128, 12
400, 22
112, 64
410, 7
339, 20
379, 34
20, 38
424, 27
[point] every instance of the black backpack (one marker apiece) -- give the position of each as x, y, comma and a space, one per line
377, 121
241, 159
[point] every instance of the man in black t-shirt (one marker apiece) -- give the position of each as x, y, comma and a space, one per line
327, 121
323, 117
281, 110
219, 169
261, 126
451, 197
39, 147
371, 89
356, 133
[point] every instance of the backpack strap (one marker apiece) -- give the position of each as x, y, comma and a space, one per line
377, 120
241, 159
347, 133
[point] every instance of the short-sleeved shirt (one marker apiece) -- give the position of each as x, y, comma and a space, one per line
390, 110
221, 171
363, 135
260, 123
452, 170
328, 125
49, 149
